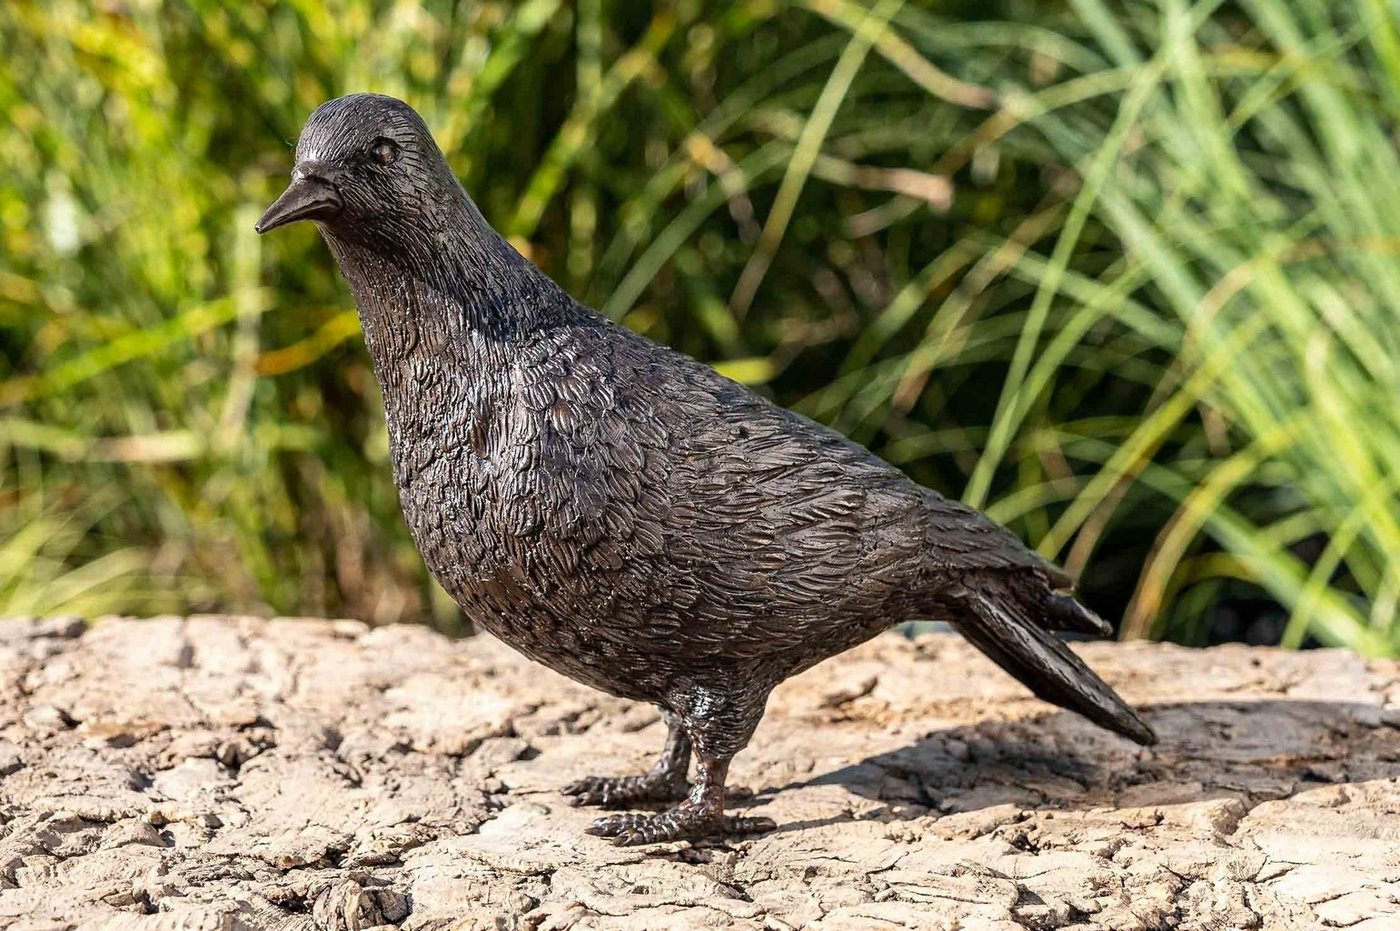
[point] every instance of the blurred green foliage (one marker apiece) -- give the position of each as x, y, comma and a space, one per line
1127, 274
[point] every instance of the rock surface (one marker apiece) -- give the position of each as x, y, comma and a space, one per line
235, 773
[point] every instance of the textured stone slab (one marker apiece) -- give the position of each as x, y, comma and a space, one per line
236, 773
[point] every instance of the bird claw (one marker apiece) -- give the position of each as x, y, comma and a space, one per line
687, 821
611, 791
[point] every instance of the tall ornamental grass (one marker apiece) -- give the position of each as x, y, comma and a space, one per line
1125, 274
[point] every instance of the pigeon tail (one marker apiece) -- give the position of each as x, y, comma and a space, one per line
1013, 634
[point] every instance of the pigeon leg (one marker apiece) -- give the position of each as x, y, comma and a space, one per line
700, 815
664, 782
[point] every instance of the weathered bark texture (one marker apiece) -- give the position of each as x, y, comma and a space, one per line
228, 773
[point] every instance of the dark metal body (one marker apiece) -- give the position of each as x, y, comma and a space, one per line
620, 512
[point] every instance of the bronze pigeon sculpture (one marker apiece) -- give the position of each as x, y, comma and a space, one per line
624, 514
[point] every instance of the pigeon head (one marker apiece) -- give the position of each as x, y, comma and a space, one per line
367, 170
412, 246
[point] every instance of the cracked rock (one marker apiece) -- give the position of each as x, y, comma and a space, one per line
231, 772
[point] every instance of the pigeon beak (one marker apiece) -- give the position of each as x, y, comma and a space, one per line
308, 197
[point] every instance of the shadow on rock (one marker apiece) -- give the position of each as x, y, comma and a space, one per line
1252, 750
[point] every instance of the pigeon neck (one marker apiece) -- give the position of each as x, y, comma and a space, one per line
458, 284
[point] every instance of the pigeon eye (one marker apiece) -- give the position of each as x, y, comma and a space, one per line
384, 152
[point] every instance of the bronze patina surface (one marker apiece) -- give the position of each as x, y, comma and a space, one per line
624, 514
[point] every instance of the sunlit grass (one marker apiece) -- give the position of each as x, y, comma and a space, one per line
1126, 274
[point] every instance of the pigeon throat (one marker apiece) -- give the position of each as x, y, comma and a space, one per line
428, 291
